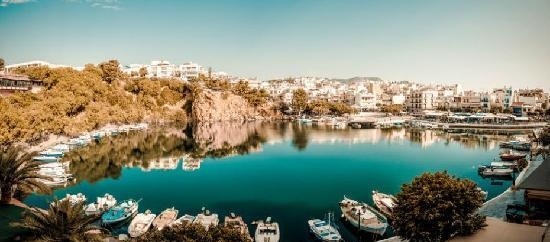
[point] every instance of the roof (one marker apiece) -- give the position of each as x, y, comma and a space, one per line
14, 77
539, 179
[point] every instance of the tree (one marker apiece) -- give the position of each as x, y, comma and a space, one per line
18, 172
545, 137
436, 207
110, 71
142, 72
299, 100
392, 108
2, 64
63, 221
194, 232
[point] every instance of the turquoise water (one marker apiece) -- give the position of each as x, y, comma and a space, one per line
289, 172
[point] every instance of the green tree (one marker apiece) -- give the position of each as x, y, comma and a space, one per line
436, 207
18, 172
63, 222
142, 72
110, 71
299, 100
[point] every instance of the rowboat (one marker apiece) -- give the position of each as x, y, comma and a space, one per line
267, 231
363, 216
324, 230
120, 212
141, 223
384, 202
165, 218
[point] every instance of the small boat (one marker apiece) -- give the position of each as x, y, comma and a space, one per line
51, 152
384, 202
267, 231
74, 198
120, 212
165, 218
516, 145
324, 230
207, 219
183, 220
511, 156
62, 148
141, 223
45, 158
494, 171
101, 205
363, 216
512, 165
237, 223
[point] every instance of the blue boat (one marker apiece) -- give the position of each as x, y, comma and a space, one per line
121, 212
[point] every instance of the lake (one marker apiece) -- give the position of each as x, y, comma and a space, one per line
291, 172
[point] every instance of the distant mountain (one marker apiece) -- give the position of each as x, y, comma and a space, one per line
359, 78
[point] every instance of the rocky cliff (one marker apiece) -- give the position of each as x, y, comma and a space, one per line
213, 106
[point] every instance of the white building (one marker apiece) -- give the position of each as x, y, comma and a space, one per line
36, 63
421, 100
191, 70
161, 69
365, 101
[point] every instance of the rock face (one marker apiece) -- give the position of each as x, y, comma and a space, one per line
214, 106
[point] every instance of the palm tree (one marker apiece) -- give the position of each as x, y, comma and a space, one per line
18, 172
63, 222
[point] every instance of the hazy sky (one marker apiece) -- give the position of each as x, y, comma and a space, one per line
476, 43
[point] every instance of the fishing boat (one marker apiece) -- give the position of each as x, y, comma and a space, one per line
120, 212
237, 223
384, 202
363, 216
165, 218
45, 158
141, 223
183, 220
511, 156
207, 219
324, 230
494, 171
267, 231
101, 205
75, 198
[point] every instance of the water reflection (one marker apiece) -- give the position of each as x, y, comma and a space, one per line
167, 147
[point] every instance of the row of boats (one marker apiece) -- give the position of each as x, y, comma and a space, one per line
359, 214
508, 163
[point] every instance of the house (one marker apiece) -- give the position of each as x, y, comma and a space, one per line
161, 69
191, 70
365, 101
10, 83
421, 100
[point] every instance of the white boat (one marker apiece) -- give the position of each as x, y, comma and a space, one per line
101, 205
62, 148
120, 212
75, 198
324, 230
165, 218
384, 202
267, 231
237, 223
495, 171
141, 223
363, 216
45, 158
51, 152
207, 219
183, 220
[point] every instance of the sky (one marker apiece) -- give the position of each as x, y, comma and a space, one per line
477, 43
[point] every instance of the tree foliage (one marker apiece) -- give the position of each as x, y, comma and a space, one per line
18, 173
62, 222
436, 207
545, 136
142, 72
2, 64
322, 107
299, 100
110, 71
193, 233
392, 108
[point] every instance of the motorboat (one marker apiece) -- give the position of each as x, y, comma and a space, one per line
120, 212
267, 231
384, 202
45, 158
101, 205
207, 219
183, 220
363, 216
237, 223
165, 218
51, 152
495, 171
141, 223
512, 156
324, 230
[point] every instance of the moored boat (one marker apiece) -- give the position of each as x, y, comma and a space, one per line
363, 216
51, 152
101, 205
495, 171
120, 212
165, 218
324, 230
74, 198
384, 202
141, 223
237, 223
511, 156
207, 219
267, 231
183, 220
45, 158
